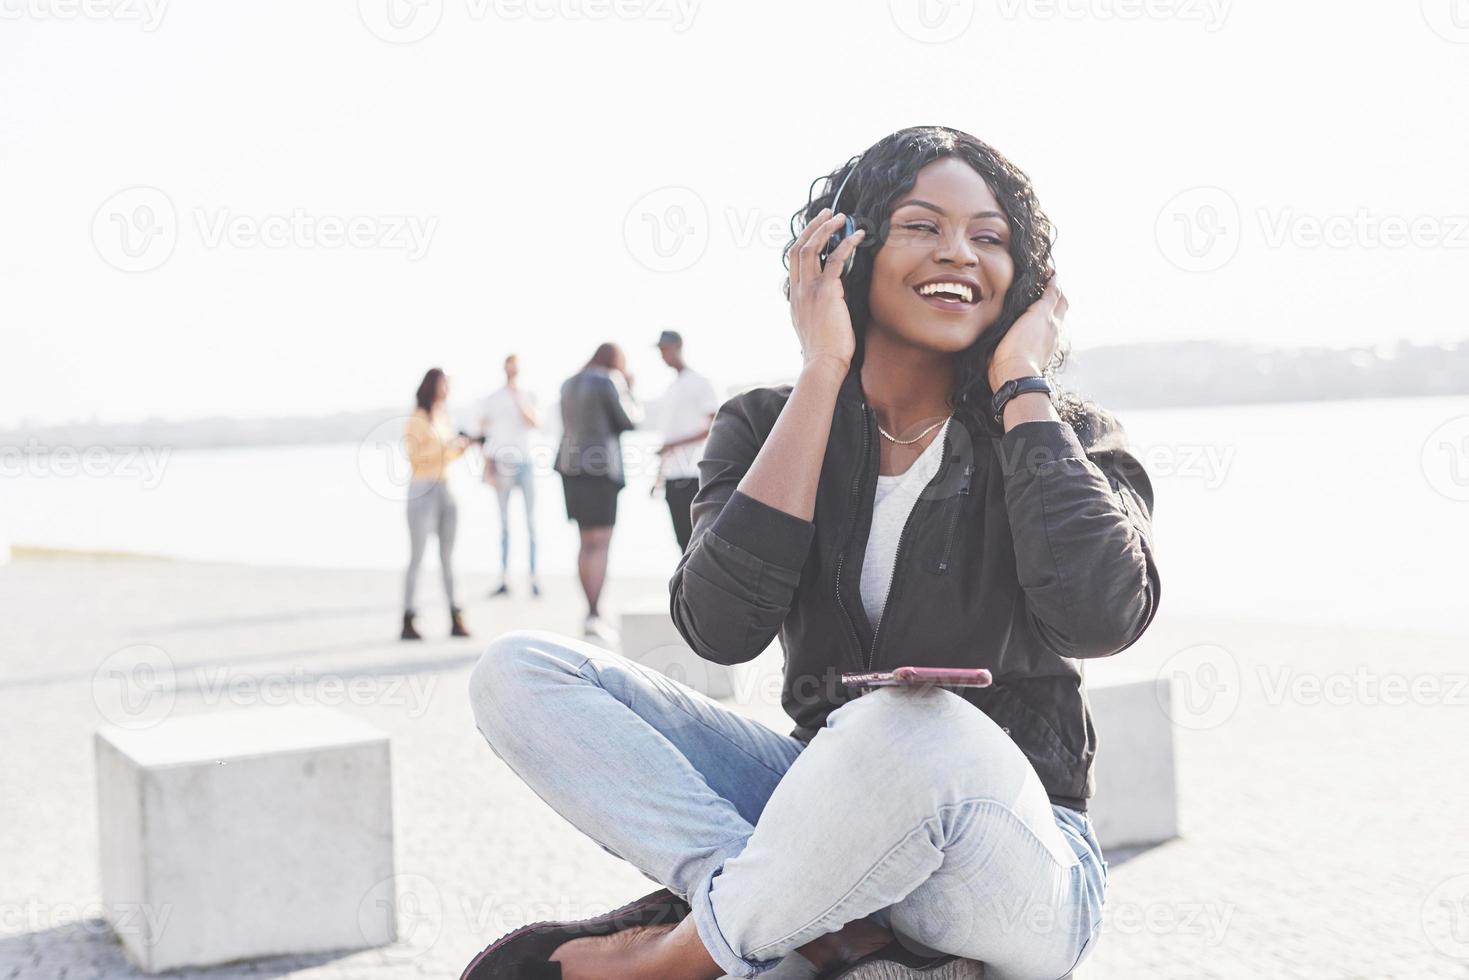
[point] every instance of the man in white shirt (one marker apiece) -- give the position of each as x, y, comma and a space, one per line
507, 418
686, 410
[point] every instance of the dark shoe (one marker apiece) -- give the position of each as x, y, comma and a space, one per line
535, 589
525, 953
896, 962
409, 633
504, 589
458, 620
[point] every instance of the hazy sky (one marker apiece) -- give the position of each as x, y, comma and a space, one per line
283, 207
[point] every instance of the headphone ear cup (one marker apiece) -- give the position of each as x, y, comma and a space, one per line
848, 230
831, 246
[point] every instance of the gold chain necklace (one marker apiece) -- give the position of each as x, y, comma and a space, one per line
909, 442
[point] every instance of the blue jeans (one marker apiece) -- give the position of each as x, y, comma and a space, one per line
911, 806
522, 476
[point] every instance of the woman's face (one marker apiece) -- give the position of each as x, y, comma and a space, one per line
948, 228
441, 391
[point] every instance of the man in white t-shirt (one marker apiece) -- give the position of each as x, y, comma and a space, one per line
507, 418
686, 411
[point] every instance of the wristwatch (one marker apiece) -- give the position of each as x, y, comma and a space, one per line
1018, 386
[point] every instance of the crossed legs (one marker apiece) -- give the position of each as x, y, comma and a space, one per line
911, 808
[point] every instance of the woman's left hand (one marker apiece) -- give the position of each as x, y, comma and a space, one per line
1030, 343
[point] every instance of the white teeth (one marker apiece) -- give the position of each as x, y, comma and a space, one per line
955, 288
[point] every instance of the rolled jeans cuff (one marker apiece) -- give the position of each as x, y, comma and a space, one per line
702, 912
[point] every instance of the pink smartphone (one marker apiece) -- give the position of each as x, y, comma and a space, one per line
916, 676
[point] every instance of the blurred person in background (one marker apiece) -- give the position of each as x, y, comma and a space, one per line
431, 446
687, 411
507, 418
597, 406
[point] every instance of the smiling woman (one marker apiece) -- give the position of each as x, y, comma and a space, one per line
888, 509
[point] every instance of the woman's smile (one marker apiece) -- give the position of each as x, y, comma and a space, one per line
950, 293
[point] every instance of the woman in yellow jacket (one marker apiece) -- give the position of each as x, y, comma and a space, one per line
431, 446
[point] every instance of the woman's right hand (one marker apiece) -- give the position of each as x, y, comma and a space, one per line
818, 301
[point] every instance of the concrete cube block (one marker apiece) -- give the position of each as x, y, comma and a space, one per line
650, 638
1136, 799
246, 833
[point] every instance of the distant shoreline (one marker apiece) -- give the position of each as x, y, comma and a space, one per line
1184, 374
107, 438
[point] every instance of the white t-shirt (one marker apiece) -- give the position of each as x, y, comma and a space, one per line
683, 411
892, 503
508, 435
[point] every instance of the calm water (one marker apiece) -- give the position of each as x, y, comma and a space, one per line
1344, 512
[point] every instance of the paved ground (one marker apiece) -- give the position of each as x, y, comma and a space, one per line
1322, 777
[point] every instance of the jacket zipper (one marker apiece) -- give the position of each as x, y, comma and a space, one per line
943, 565
898, 554
851, 524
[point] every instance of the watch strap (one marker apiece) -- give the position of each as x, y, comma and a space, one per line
1018, 386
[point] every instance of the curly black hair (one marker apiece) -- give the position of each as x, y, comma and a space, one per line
883, 174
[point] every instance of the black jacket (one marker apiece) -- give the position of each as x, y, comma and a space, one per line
596, 408
1027, 551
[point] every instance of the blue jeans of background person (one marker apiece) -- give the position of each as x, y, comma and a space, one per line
911, 806
513, 476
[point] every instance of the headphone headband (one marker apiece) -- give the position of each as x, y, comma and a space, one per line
852, 169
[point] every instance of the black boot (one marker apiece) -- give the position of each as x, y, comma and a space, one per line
409, 633
457, 618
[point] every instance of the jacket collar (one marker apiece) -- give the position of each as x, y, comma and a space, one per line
850, 393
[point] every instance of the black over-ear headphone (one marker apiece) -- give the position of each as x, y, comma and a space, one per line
845, 232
